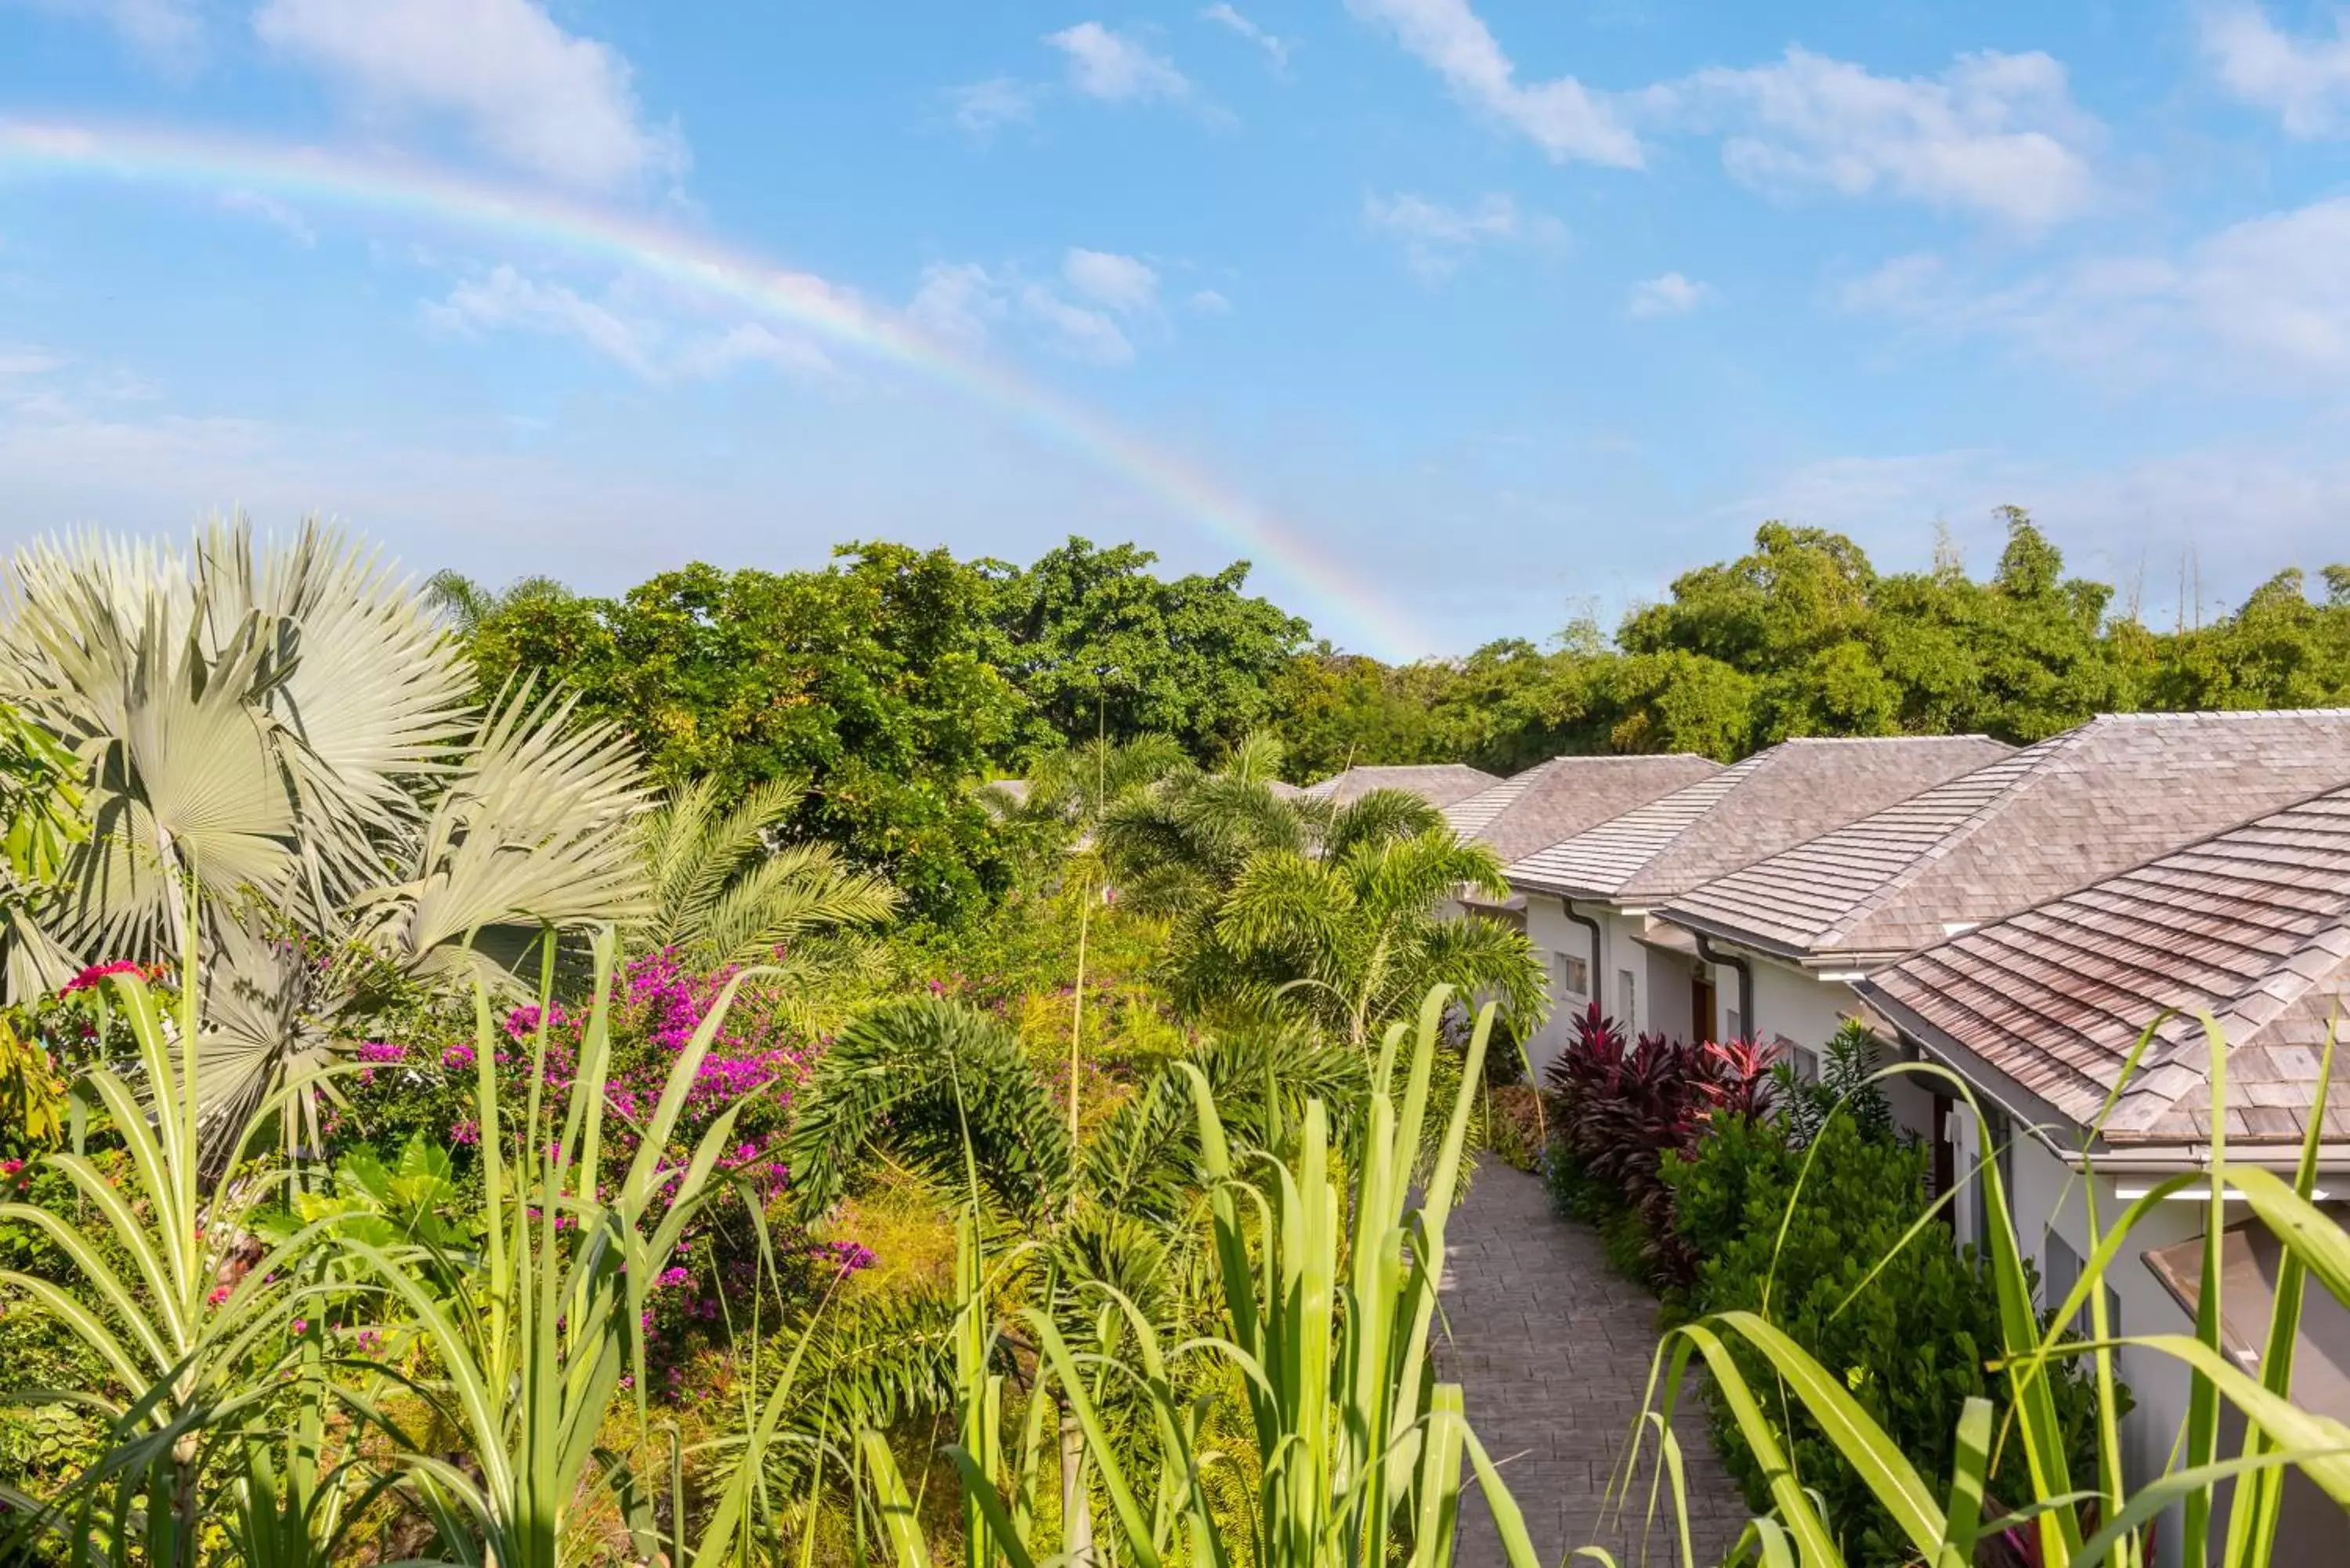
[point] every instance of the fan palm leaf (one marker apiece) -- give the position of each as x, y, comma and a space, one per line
256, 719
531, 830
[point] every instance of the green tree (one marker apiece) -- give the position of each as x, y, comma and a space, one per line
1096, 642
879, 681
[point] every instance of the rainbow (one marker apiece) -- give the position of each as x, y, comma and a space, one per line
698, 263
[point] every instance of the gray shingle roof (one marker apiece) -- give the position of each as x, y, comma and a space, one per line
2252, 925
1562, 797
2083, 804
1438, 784
1777, 797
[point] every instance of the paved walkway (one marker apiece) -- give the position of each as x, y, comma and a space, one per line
1552, 1348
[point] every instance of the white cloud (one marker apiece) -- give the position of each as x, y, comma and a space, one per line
167, 32
1116, 67
2267, 300
1996, 134
531, 94
629, 333
1208, 302
25, 361
1086, 316
505, 299
1121, 283
750, 343
271, 211
1562, 116
985, 108
1074, 331
957, 301
2305, 81
1224, 16
1667, 295
1436, 236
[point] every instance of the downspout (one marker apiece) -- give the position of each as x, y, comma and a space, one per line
1746, 980
1598, 960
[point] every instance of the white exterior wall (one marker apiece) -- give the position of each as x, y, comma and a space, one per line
1797, 1005
1661, 990
1794, 1003
1553, 936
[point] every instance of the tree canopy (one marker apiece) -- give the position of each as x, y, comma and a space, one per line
894, 678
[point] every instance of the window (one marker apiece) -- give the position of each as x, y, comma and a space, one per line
1805, 1062
1570, 976
1730, 1025
1627, 999
2059, 1270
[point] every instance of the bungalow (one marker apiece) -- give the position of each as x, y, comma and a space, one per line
1588, 896
1556, 800
2040, 1010
1438, 784
1804, 925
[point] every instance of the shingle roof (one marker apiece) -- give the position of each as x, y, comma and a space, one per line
1438, 784
2251, 925
1562, 797
1779, 797
2119, 790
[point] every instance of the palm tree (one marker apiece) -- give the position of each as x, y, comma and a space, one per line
465, 604
1354, 932
278, 744
724, 892
1290, 905
1069, 793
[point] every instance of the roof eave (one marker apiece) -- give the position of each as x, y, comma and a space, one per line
1771, 947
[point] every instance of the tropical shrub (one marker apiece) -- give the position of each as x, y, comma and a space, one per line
1847, 1086
1515, 1128
425, 1092
1840, 1265
1621, 1110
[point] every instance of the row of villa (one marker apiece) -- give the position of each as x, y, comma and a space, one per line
2019, 916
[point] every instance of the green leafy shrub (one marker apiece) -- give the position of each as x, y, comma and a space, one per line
1910, 1344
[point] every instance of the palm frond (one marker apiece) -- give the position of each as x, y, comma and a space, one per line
939, 1084
531, 831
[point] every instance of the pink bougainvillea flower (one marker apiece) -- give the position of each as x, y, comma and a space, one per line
96, 973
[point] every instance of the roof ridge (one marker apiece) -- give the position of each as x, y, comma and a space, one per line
1874, 739
2174, 715
2030, 762
1720, 781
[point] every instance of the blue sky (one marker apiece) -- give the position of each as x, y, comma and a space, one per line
1494, 311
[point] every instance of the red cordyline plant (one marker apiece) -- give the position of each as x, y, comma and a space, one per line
1619, 1110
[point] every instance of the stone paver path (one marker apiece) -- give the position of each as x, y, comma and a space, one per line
1552, 1348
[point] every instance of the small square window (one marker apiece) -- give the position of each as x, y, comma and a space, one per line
1731, 1025
1572, 975
1627, 1000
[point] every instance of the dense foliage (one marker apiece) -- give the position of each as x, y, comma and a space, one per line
461, 1143
1621, 1110
1912, 1328
1803, 636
